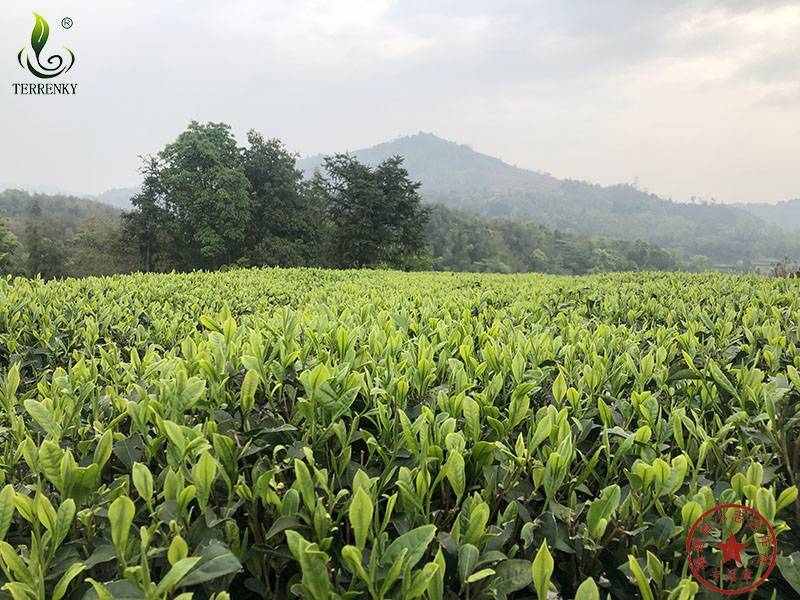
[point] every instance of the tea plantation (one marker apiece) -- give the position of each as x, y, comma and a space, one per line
356, 434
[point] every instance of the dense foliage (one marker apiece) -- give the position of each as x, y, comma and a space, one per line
207, 203
324, 434
463, 241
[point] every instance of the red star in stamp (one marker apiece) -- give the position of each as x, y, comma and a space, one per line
716, 555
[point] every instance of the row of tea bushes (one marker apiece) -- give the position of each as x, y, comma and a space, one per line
324, 434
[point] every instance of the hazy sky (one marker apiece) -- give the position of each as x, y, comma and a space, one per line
693, 98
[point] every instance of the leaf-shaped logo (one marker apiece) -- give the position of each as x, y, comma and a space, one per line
41, 31
52, 66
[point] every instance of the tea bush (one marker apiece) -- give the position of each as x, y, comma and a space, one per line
321, 434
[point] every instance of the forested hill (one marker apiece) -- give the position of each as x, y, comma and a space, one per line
464, 241
783, 214
58, 236
62, 212
458, 177
451, 173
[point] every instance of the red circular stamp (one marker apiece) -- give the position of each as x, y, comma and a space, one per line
731, 549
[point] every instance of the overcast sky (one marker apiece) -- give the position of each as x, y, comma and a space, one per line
693, 98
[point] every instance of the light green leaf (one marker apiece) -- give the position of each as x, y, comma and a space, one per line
482, 574
63, 583
421, 579
43, 417
542, 570
6, 509
641, 580
15, 564
454, 470
249, 387
45, 512
176, 574
20, 591
104, 447
360, 516
121, 513
587, 590
467, 559
64, 518
305, 485
203, 475
313, 563
178, 550
142, 481
559, 388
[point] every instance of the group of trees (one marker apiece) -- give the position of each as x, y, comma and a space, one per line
462, 241
207, 203
56, 236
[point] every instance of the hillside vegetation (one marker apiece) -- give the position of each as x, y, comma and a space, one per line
783, 214
57, 236
463, 241
341, 434
208, 203
458, 177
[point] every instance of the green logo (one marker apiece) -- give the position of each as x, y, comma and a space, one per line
52, 66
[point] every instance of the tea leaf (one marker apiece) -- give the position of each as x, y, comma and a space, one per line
216, 560
120, 515
143, 481
587, 590
360, 516
414, 542
543, 565
43, 417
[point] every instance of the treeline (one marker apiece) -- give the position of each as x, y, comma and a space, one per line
208, 203
462, 241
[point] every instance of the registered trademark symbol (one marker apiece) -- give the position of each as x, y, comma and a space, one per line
66, 22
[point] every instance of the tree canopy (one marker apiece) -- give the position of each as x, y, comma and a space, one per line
208, 203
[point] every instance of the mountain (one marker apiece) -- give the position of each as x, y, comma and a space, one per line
36, 189
449, 171
783, 214
459, 177
117, 197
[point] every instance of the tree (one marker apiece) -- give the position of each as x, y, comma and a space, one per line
145, 223
9, 246
46, 256
376, 213
100, 248
287, 222
206, 195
